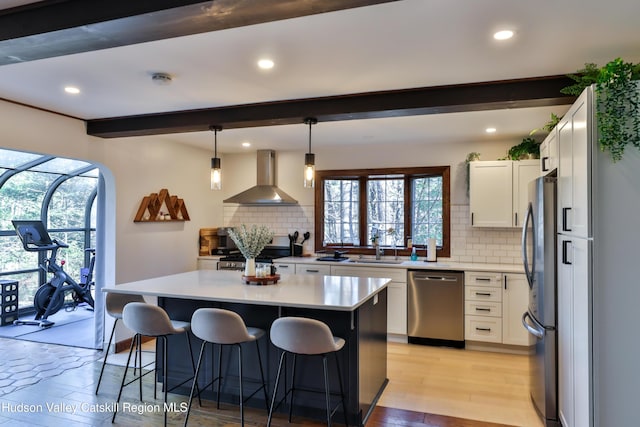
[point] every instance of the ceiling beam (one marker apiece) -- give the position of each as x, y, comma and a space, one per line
53, 28
521, 93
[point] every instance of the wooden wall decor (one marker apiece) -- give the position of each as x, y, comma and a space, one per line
161, 207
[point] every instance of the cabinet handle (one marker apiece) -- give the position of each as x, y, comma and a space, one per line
483, 279
471, 218
505, 283
483, 329
483, 294
516, 218
544, 164
565, 251
283, 266
483, 309
564, 219
312, 271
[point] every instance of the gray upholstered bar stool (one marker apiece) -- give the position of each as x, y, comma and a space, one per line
114, 304
152, 321
303, 336
224, 327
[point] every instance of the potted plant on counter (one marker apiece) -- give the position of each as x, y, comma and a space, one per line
250, 243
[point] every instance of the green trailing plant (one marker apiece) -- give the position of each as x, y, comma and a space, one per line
548, 127
473, 156
617, 103
583, 78
528, 147
618, 107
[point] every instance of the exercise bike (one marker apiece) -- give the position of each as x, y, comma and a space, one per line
50, 296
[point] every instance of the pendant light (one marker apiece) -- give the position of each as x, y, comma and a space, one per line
216, 173
310, 158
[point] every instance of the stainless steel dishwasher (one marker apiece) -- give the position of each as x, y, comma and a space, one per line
436, 308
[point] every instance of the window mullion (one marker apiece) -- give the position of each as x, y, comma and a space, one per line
364, 235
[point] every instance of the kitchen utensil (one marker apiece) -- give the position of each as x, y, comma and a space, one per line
305, 237
295, 236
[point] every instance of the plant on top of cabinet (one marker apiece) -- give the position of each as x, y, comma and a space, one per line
529, 148
471, 157
617, 103
548, 127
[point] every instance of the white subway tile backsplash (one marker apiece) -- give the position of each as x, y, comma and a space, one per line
468, 244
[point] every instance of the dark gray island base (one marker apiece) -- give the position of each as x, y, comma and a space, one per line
363, 360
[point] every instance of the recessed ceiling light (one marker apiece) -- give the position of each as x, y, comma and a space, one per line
265, 64
72, 90
246, 144
503, 35
490, 130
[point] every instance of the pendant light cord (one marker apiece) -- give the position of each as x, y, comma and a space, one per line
310, 121
215, 129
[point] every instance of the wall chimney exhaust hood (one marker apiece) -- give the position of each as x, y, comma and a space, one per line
265, 192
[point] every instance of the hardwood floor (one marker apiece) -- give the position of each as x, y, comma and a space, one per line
469, 384
429, 387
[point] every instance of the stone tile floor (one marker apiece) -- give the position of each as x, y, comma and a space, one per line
24, 363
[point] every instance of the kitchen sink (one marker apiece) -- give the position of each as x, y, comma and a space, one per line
375, 261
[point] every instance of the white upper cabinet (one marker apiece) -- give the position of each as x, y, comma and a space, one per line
574, 184
524, 171
549, 153
498, 191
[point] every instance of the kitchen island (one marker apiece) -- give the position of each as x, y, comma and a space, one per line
355, 308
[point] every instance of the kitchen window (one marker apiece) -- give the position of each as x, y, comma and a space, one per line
355, 207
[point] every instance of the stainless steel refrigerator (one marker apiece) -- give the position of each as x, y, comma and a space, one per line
539, 257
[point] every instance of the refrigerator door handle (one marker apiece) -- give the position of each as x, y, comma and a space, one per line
525, 257
535, 329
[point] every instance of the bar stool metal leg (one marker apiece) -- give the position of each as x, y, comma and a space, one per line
124, 377
275, 388
293, 384
326, 389
106, 354
264, 384
195, 380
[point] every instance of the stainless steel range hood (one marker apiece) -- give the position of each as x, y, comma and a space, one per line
265, 192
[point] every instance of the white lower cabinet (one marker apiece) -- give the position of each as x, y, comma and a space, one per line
494, 304
515, 298
323, 269
396, 292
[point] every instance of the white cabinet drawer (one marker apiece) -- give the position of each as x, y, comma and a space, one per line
395, 274
482, 308
313, 269
479, 328
480, 293
285, 268
476, 278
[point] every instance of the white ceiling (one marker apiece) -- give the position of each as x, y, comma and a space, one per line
404, 44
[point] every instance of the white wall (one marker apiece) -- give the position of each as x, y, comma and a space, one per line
136, 168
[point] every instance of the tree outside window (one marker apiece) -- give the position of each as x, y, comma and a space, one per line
354, 208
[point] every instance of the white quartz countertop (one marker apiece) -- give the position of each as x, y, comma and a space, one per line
307, 291
406, 264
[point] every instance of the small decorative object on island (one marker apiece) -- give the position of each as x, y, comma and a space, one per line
250, 242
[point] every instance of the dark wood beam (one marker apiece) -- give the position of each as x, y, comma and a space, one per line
52, 28
521, 93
